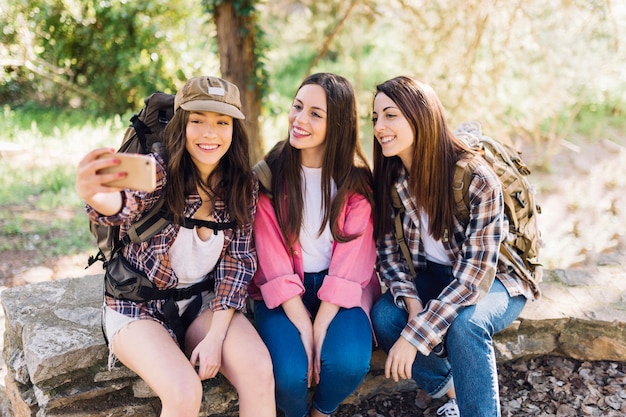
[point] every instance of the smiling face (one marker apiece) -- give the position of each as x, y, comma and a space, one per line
392, 130
307, 124
209, 136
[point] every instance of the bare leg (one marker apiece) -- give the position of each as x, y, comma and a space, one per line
147, 348
246, 363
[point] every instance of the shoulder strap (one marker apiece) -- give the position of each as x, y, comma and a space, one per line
157, 218
148, 225
460, 188
190, 223
396, 202
141, 129
263, 172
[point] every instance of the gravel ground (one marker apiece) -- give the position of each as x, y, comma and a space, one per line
539, 387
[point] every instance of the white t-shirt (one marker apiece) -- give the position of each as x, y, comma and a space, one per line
435, 252
192, 258
316, 248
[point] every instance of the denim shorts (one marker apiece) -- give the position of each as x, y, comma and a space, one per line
113, 321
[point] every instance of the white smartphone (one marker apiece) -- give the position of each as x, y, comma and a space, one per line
140, 171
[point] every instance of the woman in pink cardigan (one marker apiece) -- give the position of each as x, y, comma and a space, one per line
316, 281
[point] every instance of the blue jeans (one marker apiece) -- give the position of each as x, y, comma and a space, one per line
345, 360
471, 357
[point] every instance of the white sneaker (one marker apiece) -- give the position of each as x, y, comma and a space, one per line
449, 409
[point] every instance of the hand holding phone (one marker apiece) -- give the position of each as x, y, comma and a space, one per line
140, 171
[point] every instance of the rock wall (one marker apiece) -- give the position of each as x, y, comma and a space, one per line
56, 357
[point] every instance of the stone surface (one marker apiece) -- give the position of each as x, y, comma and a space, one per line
56, 358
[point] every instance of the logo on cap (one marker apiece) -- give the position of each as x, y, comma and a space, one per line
216, 91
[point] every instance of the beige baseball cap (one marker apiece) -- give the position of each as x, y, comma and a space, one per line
208, 93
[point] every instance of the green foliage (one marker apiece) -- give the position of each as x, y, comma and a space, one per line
103, 55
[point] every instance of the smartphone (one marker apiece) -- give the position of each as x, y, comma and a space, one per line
140, 171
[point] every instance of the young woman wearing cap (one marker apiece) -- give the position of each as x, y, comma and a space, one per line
316, 281
460, 295
203, 175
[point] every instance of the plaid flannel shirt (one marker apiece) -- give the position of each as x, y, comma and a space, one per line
234, 269
473, 253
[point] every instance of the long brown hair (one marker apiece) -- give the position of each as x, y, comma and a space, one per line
231, 180
435, 153
344, 162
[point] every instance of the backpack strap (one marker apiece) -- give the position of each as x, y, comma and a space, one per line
460, 185
463, 171
141, 129
158, 217
263, 172
396, 202
148, 225
190, 223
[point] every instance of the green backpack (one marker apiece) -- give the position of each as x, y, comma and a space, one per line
520, 206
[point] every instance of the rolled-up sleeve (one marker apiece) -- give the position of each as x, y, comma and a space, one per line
276, 276
352, 263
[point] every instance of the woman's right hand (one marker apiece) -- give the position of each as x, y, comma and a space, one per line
91, 187
299, 316
306, 335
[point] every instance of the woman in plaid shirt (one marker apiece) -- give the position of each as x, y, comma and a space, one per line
437, 326
205, 176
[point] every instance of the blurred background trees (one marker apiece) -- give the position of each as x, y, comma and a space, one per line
525, 68
549, 76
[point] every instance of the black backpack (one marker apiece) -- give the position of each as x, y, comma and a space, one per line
142, 136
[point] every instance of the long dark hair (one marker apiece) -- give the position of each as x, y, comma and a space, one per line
231, 180
435, 154
344, 162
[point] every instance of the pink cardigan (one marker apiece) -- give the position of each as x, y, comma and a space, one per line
351, 281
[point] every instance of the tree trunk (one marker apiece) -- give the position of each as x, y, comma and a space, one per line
236, 42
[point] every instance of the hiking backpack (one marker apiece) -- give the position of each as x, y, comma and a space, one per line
142, 136
520, 206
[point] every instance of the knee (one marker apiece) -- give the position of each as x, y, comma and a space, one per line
380, 317
388, 322
464, 328
263, 372
380, 309
183, 398
290, 379
351, 364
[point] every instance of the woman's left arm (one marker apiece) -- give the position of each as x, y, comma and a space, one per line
352, 263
